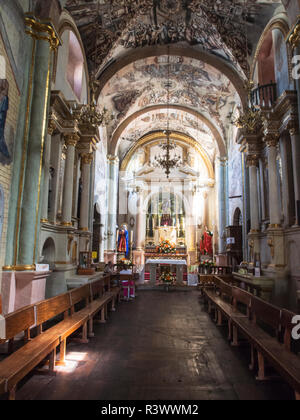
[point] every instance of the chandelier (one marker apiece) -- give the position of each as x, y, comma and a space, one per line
166, 161
90, 114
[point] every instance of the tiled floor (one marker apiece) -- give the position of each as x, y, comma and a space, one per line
162, 346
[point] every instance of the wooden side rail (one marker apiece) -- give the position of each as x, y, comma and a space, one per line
56, 320
267, 328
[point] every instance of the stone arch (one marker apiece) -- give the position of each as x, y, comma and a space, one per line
175, 136
237, 217
186, 51
48, 252
67, 23
279, 22
119, 131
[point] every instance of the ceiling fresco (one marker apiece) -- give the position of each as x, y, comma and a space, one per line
193, 84
179, 121
108, 26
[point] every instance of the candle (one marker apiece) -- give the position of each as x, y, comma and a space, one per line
131, 237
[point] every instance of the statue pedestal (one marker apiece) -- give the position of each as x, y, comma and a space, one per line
139, 258
110, 256
20, 289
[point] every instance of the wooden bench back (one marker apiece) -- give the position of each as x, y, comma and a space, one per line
287, 327
80, 294
50, 308
19, 321
241, 297
226, 289
97, 288
265, 312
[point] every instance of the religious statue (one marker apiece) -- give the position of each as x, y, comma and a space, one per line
123, 241
206, 247
4, 103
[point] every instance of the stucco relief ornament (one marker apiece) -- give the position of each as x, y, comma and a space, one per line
252, 118
90, 113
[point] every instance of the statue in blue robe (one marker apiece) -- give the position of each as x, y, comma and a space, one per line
4, 103
123, 241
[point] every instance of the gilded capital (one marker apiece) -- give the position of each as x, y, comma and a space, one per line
87, 158
272, 140
294, 35
41, 30
114, 159
71, 139
51, 127
252, 160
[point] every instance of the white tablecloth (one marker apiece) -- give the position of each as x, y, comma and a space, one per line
167, 261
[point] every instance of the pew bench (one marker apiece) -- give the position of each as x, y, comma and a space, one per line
263, 332
56, 319
221, 300
17, 323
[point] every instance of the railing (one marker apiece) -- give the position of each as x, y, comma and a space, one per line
264, 96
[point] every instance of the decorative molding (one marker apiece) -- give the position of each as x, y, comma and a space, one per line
42, 30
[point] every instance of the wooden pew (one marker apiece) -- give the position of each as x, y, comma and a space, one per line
56, 320
263, 333
16, 323
222, 300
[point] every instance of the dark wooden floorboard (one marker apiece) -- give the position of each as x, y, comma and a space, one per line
162, 346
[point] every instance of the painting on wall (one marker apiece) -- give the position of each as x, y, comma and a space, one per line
6, 133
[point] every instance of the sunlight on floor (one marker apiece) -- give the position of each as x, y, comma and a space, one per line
72, 362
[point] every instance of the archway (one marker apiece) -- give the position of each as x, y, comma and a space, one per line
48, 253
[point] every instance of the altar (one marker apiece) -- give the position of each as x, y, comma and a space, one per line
154, 264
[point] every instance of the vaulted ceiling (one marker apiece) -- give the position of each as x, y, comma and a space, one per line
220, 26
136, 89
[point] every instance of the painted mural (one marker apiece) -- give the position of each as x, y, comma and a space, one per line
217, 26
192, 83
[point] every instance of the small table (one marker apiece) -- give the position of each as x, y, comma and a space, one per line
166, 261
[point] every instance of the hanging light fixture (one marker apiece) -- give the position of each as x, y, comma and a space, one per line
90, 113
167, 162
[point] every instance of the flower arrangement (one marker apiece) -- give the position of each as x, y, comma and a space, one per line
124, 264
207, 263
167, 278
166, 247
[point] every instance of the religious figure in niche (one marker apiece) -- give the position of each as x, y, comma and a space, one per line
206, 247
123, 241
4, 103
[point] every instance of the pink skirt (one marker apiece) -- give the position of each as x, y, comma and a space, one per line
128, 289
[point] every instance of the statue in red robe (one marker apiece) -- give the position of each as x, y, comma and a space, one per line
206, 244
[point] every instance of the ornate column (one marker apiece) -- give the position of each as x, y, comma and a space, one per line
275, 211
113, 175
252, 162
288, 202
138, 255
47, 41
67, 206
295, 142
222, 203
47, 159
275, 232
86, 161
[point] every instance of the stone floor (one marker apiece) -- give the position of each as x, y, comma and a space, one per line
162, 346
